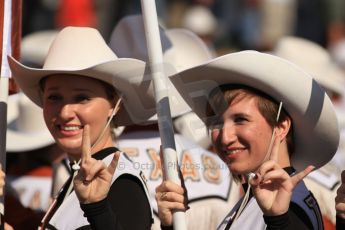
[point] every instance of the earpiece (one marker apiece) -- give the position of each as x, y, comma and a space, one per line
75, 166
250, 176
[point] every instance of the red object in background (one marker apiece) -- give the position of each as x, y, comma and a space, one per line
76, 13
15, 36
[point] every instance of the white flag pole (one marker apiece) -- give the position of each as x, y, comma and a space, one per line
4, 84
166, 131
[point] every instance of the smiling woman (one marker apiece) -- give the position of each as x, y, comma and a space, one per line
81, 88
271, 123
242, 127
69, 107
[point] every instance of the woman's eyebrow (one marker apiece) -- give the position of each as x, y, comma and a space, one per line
53, 88
82, 90
241, 114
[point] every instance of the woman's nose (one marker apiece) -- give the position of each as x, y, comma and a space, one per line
67, 111
228, 134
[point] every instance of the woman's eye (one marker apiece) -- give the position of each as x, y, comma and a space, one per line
240, 119
53, 97
82, 98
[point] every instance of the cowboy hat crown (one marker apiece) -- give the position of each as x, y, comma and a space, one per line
82, 51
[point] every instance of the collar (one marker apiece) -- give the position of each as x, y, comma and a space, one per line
103, 153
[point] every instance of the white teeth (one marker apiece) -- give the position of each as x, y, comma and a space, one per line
70, 128
234, 151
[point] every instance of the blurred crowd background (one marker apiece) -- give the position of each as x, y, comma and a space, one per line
226, 25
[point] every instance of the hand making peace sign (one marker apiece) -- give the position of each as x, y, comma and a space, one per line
272, 186
93, 180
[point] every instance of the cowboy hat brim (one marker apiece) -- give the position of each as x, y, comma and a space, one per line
181, 48
128, 76
316, 132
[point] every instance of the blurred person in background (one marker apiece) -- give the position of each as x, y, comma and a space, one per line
31, 153
75, 13
38, 15
277, 20
100, 14
311, 21
201, 21
211, 191
336, 22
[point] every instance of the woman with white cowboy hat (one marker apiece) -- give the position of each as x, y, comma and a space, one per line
80, 88
271, 124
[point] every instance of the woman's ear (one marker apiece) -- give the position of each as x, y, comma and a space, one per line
110, 112
115, 108
283, 128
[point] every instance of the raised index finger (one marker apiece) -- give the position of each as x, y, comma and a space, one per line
113, 164
86, 145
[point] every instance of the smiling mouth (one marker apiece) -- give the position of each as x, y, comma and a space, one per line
70, 127
232, 152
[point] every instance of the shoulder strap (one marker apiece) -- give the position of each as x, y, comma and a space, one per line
306, 200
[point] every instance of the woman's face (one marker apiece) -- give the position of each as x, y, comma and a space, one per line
244, 136
69, 103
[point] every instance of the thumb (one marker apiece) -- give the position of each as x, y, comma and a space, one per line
298, 177
113, 164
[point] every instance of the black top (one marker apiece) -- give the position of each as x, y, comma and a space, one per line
340, 223
126, 206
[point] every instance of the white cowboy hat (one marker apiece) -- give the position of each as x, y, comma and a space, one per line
316, 133
337, 52
182, 49
34, 49
200, 20
35, 46
26, 129
190, 126
313, 58
82, 51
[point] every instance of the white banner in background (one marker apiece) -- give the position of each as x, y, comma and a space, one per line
205, 174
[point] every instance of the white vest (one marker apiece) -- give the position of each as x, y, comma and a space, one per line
252, 216
70, 216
